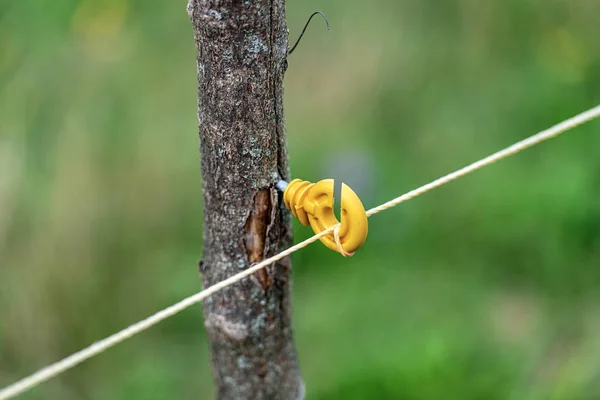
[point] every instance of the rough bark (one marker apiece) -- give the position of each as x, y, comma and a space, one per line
241, 58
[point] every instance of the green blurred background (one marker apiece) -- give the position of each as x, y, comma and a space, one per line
486, 288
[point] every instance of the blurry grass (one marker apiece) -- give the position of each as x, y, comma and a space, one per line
485, 288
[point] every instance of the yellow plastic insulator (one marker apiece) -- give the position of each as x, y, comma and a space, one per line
312, 204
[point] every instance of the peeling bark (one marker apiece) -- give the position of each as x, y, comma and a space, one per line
241, 58
255, 233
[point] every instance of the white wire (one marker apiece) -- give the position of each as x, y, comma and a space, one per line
52, 370
509, 151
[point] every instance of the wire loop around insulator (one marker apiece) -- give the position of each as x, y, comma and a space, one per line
312, 204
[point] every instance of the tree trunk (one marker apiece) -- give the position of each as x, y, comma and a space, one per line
241, 57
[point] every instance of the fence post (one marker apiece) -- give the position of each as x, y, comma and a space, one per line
241, 58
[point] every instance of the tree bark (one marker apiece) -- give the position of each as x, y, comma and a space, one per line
241, 57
